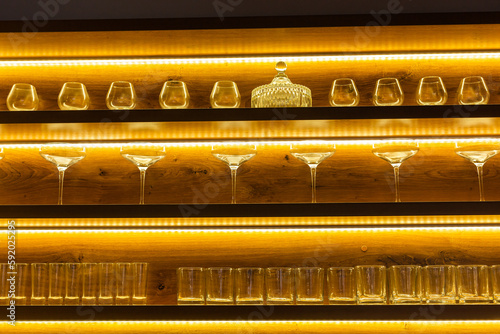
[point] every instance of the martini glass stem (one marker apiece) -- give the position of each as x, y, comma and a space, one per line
479, 167
234, 170
143, 183
396, 182
313, 182
61, 184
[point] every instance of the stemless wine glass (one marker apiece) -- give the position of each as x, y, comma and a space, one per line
388, 92
143, 155
62, 156
225, 94
473, 90
312, 154
395, 154
431, 91
344, 93
73, 96
234, 155
478, 154
121, 95
174, 95
22, 97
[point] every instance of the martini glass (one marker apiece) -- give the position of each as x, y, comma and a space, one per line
395, 154
478, 155
143, 155
312, 154
62, 156
234, 155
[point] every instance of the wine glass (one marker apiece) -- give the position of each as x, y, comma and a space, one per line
143, 155
121, 95
312, 154
174, 95
344, 93
73, 96
62, 156
234, 155
431, 91
388, 92
395, 154
478, 154
22, 97
473, 90
225, 94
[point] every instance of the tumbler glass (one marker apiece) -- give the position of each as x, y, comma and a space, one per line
439, 284
57, 283
279, 285
21, 283
174, 95
371, 284
309, 285
220, 285
140, 285
39, 280
495, 278
405, 284
341, 285
90, 283
73, 284
473, 284
4, 283
107, 283
249, 286
190, 286
124, 280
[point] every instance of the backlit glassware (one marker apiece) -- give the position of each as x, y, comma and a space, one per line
234, 155
57, 283
220, 285
371, 284
473, 90
341, 285
388, 92
107, 283
39, 280
405, 284
225, 94
73, 283
395, 153
431, 92
174, 95
249, 286
309, 285
495, 277
312, 154
124, 280
190, 286
121, 95
62, 156
473, 284
279, 285
22, 97
2, 155
478, 154
281, 92
344, 93
140, 284
22, 272
143, 155
439, 284
90, 283
4, 283
73, 96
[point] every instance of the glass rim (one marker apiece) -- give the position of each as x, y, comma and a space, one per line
472, 266
473, 79
431, 77
23, 85
343, 268
249, 268
219, 268
176, 82
439, 266
225, 83
386, 81
400, 266
348, 81
371, 266
121, 84
190, 268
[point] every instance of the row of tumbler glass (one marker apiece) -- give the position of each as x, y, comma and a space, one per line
225, 94
435, 284
75, 283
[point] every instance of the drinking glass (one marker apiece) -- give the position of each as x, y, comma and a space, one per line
57, 283
190, 286
4, 283
431, 91
73, 284
473, 284
309, 285
344, 93
249, 285
73, 96
478, 154
388, 92
2, 155
22, 97
405, 284
225, 94
90, 283
39, 273
140, 284
234, 155
473, 90
121, 95
143, 155
174, 95
220, 285
439, 284
107, 283
395, 154
495, 277
124, 280
279, 285
62, 156
371, 284
341, 285
312, 154
21, 283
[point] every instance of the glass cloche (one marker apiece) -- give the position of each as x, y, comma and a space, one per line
281, 92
